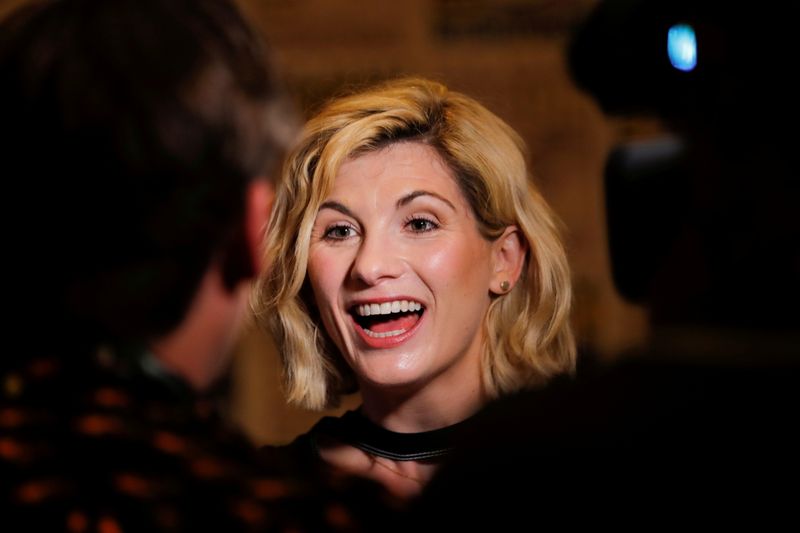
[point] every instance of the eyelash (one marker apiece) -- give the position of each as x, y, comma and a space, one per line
431, 224
330, 230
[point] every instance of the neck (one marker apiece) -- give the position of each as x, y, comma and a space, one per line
441, 402
198, 349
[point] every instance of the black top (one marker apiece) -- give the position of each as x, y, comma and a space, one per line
357, 430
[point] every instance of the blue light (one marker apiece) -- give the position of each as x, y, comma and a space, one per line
682, 47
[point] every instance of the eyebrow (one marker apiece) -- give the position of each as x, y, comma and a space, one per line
408, 198
336, 206
405, 200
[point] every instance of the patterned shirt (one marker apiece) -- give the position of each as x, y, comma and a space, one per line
90, 444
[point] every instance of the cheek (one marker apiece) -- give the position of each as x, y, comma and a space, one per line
328, 269
458, 266
322, 277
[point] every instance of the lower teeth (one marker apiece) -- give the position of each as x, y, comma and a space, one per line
378, 335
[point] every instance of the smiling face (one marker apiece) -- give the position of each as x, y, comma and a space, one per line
400, 273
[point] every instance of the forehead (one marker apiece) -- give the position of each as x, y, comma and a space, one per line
394, 164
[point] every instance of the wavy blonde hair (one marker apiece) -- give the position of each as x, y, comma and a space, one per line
528, 334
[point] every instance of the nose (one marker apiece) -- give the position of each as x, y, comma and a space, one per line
375, 260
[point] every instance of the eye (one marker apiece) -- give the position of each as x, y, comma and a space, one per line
339, 232
419, 224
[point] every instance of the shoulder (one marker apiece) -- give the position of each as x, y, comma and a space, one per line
646, 425
639, 404
93, 448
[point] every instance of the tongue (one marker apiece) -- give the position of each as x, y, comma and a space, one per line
403, 322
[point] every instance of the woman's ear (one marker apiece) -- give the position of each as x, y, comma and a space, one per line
508, 258
258, 205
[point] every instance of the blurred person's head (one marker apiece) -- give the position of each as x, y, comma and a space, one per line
410, 244
134, 136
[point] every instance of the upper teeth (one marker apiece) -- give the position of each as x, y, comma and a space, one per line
385, 308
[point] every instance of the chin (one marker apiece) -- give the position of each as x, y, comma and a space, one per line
392, 379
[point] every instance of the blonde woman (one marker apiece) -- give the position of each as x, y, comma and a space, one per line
415, 262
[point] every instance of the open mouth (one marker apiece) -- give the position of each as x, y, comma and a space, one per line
387, 319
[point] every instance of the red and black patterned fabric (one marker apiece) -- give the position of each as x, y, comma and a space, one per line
96, 445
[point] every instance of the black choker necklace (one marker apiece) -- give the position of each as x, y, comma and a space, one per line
357, 430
